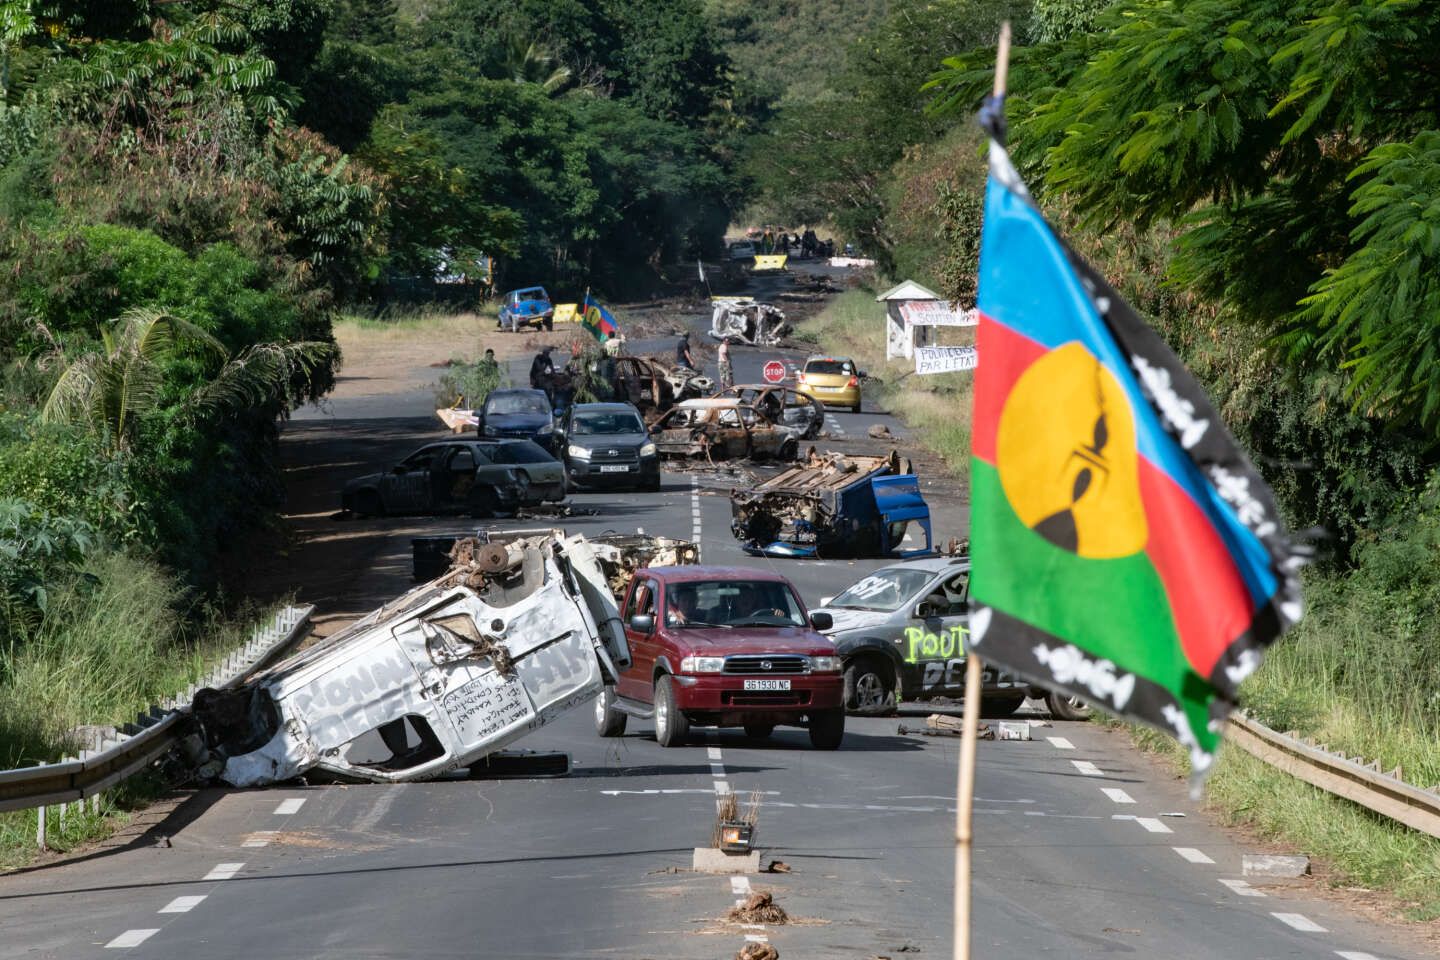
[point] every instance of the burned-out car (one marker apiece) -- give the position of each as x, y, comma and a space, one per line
618, 554
834, 506
475, 476
723, 428
652, 387
784, 405
742, 320
513, 636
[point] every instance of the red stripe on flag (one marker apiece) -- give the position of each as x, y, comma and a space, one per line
1209, 601
1004, 355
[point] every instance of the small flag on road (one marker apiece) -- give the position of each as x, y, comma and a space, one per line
1124, 548
597, 319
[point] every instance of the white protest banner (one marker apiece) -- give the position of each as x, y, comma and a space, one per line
945, 359
937, 313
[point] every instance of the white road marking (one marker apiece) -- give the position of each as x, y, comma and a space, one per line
388, 795
752, 926
1355, 955
757, 938
713, 753
672, 790
132, 938
1242, 887
259, 838
1193, 855
1298, 921
290, 806
1118, 795
1087, 768
224, 871
740, 885
182, 904
717, 769
722, 787
1153, 825
1060, 743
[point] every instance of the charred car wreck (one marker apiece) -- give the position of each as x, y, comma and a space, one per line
511, 637
746, 321
833, 506
724, 428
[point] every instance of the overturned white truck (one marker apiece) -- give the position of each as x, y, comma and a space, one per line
513, 635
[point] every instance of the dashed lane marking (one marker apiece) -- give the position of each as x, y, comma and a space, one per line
1060, 743
722, 787
1087, 768
1355, 955
1153, 825
1193, 855
182, 904
740, 885
132, 938
757, 938
1242, 887
259, 838
674, 790
717, 769
1117, 795
224, 871
290, 806
713, 753
1298, 921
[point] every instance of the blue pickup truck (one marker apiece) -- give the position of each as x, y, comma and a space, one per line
529, 306
835, 506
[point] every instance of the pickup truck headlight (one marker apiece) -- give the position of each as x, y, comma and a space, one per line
702, 665
647, 449
578, 452
824, 664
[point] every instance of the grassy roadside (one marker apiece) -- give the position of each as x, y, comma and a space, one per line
1361, 673
110, 644
937, 407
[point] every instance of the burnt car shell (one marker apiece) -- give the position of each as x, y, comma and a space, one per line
723, 428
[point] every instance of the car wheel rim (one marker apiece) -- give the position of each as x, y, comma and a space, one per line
869, 691
662, 719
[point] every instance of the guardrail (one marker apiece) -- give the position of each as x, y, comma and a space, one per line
1360, 782
113, 755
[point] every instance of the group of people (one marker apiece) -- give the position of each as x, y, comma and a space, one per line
806, 245
560, 383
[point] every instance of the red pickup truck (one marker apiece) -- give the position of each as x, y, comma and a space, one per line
723, 647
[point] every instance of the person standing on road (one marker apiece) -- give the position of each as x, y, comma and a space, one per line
683, 357
727, 380
542, 373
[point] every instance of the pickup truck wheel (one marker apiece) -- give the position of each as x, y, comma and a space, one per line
672, 727
1065, 707
609, 722
869, 687
759, 731
827, 729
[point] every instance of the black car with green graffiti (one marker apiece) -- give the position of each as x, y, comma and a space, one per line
901, 632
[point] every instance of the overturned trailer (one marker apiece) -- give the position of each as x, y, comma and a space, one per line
746, 321
834, 506
511, 637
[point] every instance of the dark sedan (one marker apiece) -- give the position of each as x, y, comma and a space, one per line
519, 413
606, 445
477, 477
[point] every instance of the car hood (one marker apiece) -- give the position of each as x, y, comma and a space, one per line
849, 619
619, 440
532, 422
719, 641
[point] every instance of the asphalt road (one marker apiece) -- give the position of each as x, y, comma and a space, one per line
1083, 848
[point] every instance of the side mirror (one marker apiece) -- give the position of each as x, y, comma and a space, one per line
642, 622
822, 621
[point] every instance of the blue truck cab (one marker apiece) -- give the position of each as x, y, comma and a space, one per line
835, 506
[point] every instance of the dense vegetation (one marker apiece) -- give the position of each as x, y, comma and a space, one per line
189, 192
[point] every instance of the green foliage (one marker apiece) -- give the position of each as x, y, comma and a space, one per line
1060, 19
35, 549
467, 384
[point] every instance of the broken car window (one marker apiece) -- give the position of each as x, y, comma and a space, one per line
886, 589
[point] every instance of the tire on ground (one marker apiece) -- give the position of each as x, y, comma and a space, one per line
869, 687
827, 729
672, 727
1065, 707
759, 730
609, 722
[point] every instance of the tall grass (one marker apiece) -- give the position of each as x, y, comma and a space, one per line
111, 642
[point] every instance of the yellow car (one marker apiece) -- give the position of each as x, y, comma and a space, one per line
834, 381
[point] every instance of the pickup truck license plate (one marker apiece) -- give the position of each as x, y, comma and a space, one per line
614, 468
767, 684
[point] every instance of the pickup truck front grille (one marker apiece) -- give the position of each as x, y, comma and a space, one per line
766, 665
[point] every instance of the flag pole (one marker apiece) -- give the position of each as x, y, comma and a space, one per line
970, 722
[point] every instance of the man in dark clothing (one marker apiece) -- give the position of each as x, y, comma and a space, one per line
542, 373
604, 386
683, 358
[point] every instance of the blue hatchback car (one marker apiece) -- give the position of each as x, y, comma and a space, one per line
529, 306
519, 413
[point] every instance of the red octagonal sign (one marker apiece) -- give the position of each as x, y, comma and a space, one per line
774, 371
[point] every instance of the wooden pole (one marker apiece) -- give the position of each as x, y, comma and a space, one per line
970, 730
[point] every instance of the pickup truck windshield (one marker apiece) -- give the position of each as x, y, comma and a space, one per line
601, 424
884, 589
731, 603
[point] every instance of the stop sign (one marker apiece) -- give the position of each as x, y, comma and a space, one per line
774, 371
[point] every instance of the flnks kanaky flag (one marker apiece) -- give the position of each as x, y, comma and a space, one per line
1124, 549
599, 321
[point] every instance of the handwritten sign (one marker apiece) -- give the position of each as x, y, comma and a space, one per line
487, 705
945, 359
937, 313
